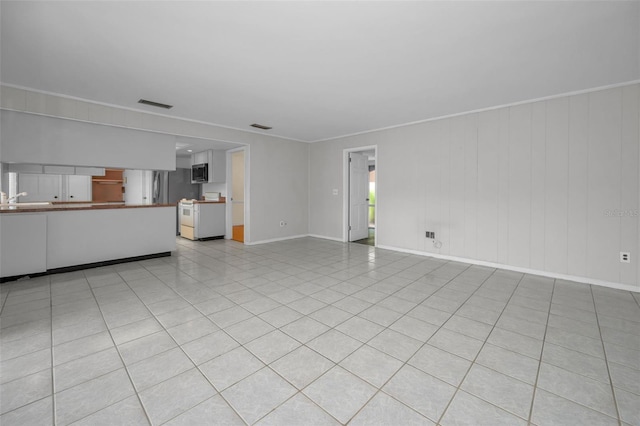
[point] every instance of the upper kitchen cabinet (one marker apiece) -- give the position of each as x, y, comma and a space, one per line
40, 187
216, 161
52, 187
77, 188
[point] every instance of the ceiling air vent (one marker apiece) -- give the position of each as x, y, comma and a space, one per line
260, 126
155, 104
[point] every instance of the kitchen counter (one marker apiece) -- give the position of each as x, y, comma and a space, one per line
57, 206
209, 202
54, 238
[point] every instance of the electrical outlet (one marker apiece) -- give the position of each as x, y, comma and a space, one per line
282, 223
625, 257
430, 234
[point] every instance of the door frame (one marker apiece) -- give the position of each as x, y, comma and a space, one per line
247, 195
346, 189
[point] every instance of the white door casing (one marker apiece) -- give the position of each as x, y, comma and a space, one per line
358, 196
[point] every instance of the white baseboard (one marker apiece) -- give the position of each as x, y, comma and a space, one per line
273, 240
326, 238
585, 280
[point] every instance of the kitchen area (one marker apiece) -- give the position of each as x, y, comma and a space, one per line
75, 216
79, 194
202, 215
196, 188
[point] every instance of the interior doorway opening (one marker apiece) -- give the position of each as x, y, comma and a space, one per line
360, 192
237, 189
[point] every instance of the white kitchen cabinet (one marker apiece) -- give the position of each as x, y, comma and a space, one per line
40, 187
217, 161
200, 157
46, 187
77, 188
59, 170
90, 171
23, 244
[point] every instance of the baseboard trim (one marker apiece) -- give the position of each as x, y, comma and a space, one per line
585, 280
86, 266
274, 240
326, 238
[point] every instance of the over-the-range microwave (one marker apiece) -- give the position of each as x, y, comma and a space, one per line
200, 172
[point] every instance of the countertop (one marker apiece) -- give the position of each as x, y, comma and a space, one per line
222, 200
209, 202
55, 207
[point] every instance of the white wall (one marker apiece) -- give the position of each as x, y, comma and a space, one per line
183, 162
277, 166
525, 186
31, 138
215, 187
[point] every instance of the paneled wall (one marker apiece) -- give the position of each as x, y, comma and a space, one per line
550, 186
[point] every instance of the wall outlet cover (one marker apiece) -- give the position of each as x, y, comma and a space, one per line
625, 257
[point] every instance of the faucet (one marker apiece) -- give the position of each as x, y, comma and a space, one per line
15, 197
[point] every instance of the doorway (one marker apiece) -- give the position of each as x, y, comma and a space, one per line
360, 195
236, 192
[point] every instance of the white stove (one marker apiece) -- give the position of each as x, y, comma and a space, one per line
201, 220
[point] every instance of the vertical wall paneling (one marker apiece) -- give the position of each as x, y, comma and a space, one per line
577, 197
629, 186
406, 199
488, 181
443, 231
556, 185
538, 173
603, 237
471, 186
520, 185
458, 134
525, 186
432, 184
425, 152
503, 186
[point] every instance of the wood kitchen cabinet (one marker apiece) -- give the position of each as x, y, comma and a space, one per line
108, 188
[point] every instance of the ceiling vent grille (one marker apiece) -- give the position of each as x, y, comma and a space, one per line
155, 104
260, 126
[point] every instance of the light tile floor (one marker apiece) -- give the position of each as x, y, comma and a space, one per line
310, 331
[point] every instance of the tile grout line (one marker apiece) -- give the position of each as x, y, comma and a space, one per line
324, 269
187, 356
337, 364
404, 363
124, 365
473, 362
606, 361
544, 338
53, 390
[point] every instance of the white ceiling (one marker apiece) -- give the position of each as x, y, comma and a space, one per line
317, 70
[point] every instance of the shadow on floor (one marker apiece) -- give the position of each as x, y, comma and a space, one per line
370, 240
